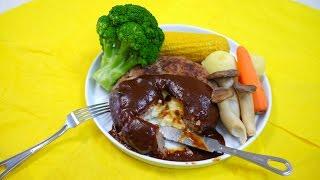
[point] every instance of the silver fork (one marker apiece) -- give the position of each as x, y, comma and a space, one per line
73, 119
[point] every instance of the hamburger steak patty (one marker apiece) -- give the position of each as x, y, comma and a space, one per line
176, 65
141, 88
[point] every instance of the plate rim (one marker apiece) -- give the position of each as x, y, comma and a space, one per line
179, 164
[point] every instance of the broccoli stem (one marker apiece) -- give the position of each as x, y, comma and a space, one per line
119, 56
107, 52
121, 69
114, 54
108, 75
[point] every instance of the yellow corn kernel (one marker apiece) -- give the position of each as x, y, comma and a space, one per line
193, 46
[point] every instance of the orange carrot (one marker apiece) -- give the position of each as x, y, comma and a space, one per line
248, 76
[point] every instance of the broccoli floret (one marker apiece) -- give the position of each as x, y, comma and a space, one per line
129, 36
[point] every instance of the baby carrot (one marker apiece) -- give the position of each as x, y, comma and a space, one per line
248, 76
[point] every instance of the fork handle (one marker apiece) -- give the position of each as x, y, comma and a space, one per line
16, 160
259, 159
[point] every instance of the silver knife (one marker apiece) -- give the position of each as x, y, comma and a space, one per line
191, 139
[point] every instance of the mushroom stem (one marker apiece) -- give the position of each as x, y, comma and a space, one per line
230, 112
233, 100
231, 121
246, 107
247, 112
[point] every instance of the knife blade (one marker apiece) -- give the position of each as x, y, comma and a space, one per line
190, 139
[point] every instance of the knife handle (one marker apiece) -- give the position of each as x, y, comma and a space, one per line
261, 160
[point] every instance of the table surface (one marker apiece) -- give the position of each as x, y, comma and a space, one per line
47, 46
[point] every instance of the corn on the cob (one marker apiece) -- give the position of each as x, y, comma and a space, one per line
193, 46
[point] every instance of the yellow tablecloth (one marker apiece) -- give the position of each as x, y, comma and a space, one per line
46, 48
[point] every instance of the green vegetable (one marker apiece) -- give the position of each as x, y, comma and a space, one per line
129, 36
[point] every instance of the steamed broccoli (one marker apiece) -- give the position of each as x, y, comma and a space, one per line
129, 36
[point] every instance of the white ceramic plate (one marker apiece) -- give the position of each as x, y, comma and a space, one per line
95, 94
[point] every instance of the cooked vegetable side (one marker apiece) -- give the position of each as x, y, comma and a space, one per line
129, 35
248, 76
193, 46
259, 64
222, 67
244, 93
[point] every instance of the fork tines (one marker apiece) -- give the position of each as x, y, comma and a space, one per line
92, 111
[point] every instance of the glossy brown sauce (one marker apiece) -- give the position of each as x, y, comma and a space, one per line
185, 154
189, 154
131, 98
194, 138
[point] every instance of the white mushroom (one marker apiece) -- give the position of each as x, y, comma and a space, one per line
222, 67
229, 108
246, 106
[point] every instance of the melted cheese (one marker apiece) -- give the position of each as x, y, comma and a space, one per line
169, 113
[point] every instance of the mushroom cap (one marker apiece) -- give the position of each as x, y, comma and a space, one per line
244, 88
223, 74
219, 94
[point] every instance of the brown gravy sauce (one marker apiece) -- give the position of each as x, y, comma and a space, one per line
194, 138
132, 98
